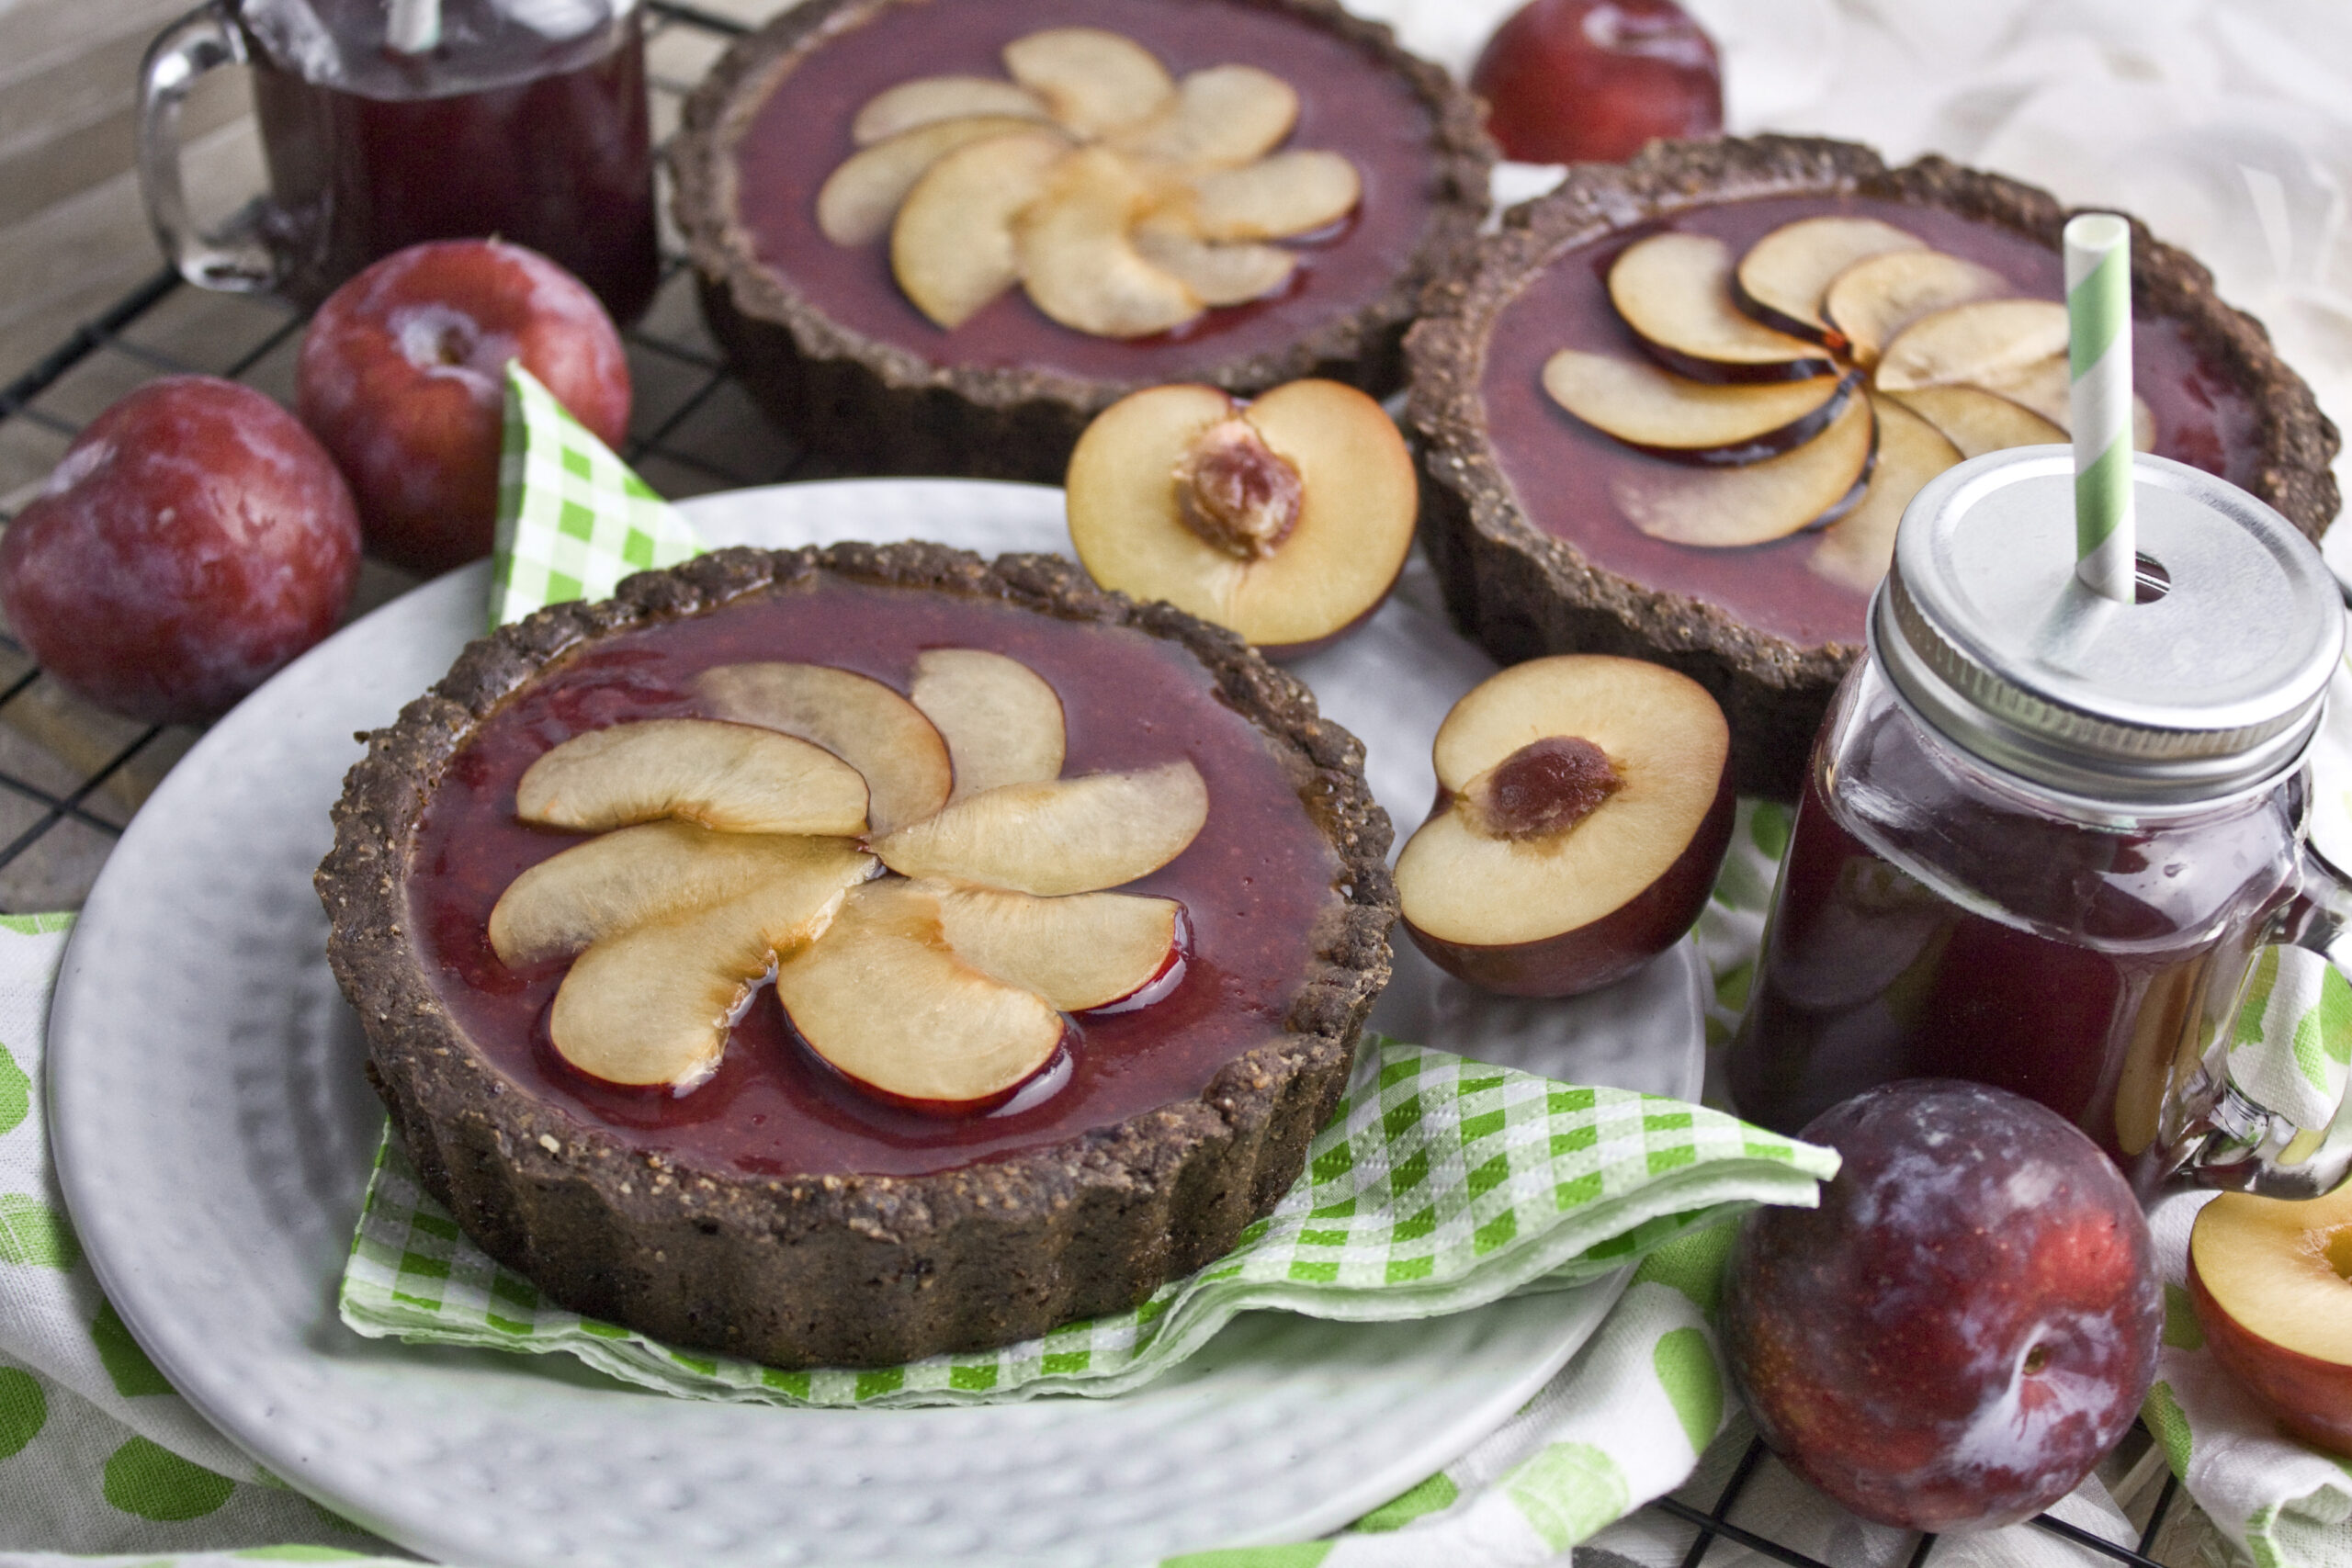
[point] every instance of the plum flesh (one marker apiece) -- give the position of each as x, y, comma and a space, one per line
1964, 1326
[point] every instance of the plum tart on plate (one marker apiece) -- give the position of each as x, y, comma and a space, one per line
1675, 409
835, 957
939, 237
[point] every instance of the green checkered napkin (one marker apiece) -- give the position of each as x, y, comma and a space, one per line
1443, 1184
573, 519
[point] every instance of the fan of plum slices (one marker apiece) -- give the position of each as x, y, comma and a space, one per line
819, 828
1124, 201
1816, 384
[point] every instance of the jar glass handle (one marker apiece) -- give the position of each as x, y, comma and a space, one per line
2277, 1118
236, 258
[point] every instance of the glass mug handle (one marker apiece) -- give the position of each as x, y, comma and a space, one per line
2277, 1118
235, 259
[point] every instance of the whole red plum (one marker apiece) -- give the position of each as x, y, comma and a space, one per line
1966, 1324
402, 377
1592, 81
194, 539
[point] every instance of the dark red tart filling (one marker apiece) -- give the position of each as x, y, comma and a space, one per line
1347, 104
1253, 884
1562, 469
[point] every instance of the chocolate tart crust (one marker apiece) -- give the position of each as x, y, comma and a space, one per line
1520, 591
873, 407
845, 1270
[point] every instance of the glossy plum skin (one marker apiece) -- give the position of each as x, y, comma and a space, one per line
402, 377
1592, 81
1604, 951
1964, 1326
193, 540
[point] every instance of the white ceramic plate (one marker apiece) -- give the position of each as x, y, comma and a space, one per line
213, 1134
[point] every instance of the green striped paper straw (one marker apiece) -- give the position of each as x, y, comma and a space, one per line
2098, 357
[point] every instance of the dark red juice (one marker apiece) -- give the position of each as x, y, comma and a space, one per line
543, 143
1941, 931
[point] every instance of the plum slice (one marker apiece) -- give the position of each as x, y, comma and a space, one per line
1002, 721
652, 1004
899, 752
857, 201
1078, 254
1758, 503
1870, 301
1987, 344
730, 777
1219, 119
1782, 278
1061, 836
927, 100
1086, 950
654, 871
886, 1002
1674, 291
1856, 550
1976, 420
951, 246
1092, 80
1673, 416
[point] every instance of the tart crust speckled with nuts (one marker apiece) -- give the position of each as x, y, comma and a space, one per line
794, 1193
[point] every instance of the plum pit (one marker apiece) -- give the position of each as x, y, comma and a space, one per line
1236, 493
1545, 787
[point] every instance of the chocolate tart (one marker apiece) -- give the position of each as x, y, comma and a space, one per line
832, 349
776, 1212
1536, 557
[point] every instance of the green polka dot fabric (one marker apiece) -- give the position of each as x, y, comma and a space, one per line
97, 1455
1441, 1185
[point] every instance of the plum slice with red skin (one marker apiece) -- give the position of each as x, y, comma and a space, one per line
1782, 278
1757, 502
1674, 291
1671, 416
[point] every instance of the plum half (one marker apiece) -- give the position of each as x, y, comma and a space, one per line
1286, 519
2271, 1281
1584, 806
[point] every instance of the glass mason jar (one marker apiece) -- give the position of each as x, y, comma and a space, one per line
526, 119
2043, 834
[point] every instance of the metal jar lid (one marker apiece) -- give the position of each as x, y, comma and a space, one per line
2211, 687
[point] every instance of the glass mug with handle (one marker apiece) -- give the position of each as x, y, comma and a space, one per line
384, 124
2058, 843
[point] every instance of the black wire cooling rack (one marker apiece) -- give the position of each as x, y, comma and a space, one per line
71, 776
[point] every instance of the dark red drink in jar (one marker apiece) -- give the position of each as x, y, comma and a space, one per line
2044, 833
524, 120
